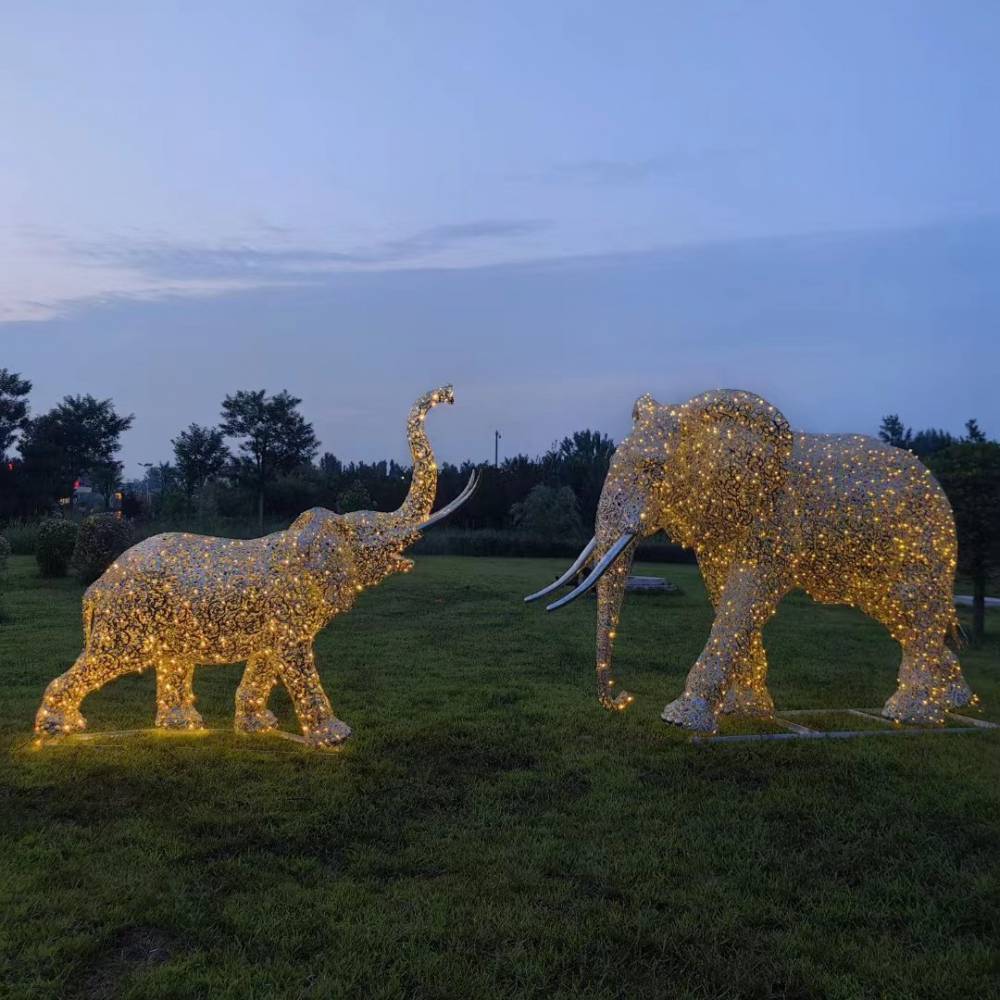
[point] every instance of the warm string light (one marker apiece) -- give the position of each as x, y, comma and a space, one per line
845, 518
176, 601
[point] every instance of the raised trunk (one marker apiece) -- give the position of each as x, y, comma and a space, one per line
423, 486
610, 592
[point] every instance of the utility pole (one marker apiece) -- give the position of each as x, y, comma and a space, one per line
496, 448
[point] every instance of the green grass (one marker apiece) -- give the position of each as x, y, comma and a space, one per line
490, 831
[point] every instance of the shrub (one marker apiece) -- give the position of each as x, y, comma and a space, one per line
23, 537
548, 511
54, 548
102, 538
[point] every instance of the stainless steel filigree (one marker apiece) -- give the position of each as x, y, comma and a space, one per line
176, 601
845, 518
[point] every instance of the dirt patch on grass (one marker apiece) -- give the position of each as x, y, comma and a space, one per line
132, 949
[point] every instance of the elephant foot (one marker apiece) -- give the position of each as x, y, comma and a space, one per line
691, 712
179, 717
51, 722
328, 734
746, 701
914, 705
263, 721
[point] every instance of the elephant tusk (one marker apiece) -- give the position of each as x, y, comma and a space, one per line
470, 488
581, 559
597, 572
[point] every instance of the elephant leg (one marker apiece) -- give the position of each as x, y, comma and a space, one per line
930, 680
748, 695
920, 617
259, 678
59, 712
175, 695
747, 603
321, 728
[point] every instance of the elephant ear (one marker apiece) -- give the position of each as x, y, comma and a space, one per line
644, 408
318, 539
645, 446
733, 456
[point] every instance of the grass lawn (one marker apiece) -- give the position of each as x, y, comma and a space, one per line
490, 831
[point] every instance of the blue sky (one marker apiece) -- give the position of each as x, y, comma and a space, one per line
555, 206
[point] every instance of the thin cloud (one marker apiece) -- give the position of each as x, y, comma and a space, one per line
166, 259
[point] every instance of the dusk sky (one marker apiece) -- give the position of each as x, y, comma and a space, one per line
555, 206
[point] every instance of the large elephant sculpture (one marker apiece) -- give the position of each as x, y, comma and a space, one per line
847, 519
177, 600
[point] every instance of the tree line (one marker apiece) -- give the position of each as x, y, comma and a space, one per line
968, 469
263, 460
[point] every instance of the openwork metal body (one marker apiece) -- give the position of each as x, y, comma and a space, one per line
847, 519
176, 601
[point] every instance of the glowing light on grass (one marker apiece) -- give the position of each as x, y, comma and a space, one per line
845, 518
177, 600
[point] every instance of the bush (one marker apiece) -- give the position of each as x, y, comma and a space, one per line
548, 511
23, 537
54, 548
101, 539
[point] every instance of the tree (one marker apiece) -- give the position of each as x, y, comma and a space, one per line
200, 456
159, 485
551, 512
78, 437
161, 478
274, 437
973, 433
13, 407
893, 432
106, 477
355, 497
930, 441
581, 462
969, 473
330, 466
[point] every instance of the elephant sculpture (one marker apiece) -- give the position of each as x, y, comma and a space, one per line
178, 600
845, 518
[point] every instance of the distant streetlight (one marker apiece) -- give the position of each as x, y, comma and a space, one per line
496, 448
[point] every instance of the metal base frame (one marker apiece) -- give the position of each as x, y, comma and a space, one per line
111, 735
799, 732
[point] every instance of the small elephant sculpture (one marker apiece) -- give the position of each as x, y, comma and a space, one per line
845, 518
178, 600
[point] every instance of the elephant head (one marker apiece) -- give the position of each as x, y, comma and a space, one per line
703, 471
370, 542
